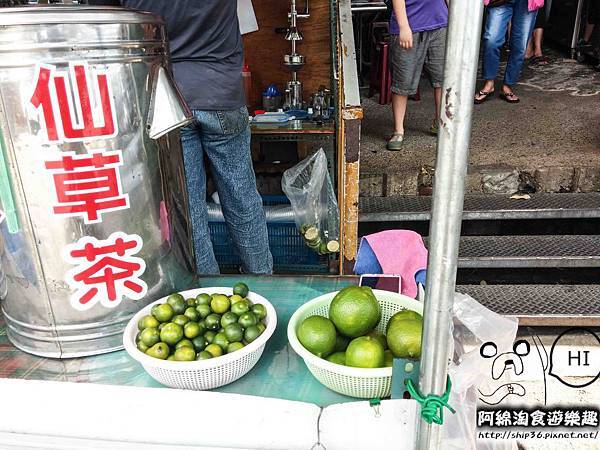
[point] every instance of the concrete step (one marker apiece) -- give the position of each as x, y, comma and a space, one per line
502, 252
541, 305
483, 207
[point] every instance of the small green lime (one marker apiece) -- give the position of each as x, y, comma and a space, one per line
234, 332
142, 347
221, 340
159, 351
147, 322
259, 311
234, 346
192, 314
191, 302
180, 319
203, 310
185, 354
203, 355
213, 322
251, 333
240, 307
341, 343
171, 333
228, 318
241, 289
202, 299
220, 304
171, 358
388, 358
214, 349
163, 312
235, 298
199, 343
209, 336
261, 326
247, 320
191, 330
150, 336
337, 358
177, 302
184, 343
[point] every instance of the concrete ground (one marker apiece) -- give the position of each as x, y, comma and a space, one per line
554, 131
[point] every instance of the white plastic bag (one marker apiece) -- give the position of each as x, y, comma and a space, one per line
317, 215
473, 325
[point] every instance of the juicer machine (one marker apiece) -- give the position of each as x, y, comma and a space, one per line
294, 61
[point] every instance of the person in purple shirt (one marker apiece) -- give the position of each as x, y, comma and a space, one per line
418, 29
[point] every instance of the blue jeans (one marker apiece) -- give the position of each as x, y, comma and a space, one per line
224, 138
494, 36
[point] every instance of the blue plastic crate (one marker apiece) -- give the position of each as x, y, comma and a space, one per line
290, 253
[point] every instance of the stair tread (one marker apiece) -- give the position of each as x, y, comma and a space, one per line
484, 207
541, 304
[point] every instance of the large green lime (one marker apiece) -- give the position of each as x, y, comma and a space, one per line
365, 352
401, 315
341, 343
388, 358
171, 333
355, 311
317, 335
404, 338
380, 337
337, 358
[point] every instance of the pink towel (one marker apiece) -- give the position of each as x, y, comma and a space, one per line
400, 252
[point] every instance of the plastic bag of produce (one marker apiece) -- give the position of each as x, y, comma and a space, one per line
473, 326
317, 215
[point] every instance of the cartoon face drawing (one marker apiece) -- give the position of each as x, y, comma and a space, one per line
520, 362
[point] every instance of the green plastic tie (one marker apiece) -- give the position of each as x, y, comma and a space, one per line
374, 403
432, 406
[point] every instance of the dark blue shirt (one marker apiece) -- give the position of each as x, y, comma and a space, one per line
206, 48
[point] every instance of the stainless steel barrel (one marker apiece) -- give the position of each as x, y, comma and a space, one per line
91, 179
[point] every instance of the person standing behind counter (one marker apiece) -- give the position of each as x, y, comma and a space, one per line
207, 58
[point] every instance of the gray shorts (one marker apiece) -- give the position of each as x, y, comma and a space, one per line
428, 50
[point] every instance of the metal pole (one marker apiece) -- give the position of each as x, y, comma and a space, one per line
460, 73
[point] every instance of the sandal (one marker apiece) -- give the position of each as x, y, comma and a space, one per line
484, 96
539, 61
510, 97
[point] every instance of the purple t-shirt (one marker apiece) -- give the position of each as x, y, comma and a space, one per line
423, 15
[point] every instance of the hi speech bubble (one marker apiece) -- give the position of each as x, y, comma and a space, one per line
569, 358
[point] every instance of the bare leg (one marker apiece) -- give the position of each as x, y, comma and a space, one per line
538, 36
437, 95
589, 30
488, 86
529, 51
399, 108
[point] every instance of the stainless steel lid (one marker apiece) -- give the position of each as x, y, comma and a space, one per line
63, 14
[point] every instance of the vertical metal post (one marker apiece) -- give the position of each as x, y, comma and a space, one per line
460, 73
576, 28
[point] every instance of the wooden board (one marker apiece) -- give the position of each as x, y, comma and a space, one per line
264, 49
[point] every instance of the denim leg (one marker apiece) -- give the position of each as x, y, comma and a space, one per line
226, 142
522, 27
195, 176
494, 36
